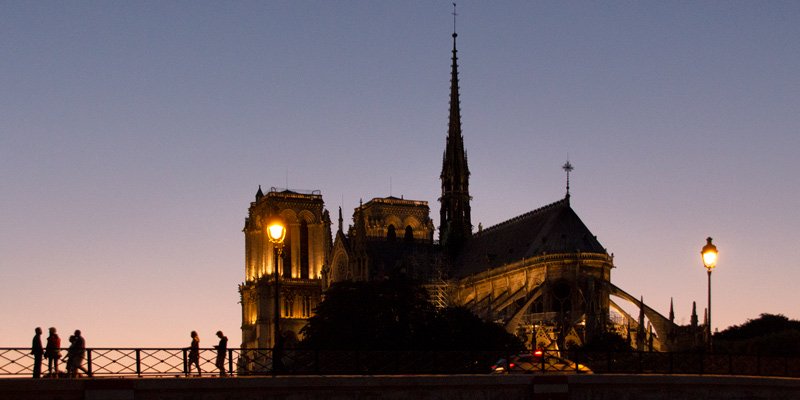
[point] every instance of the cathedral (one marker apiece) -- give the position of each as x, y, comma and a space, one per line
543, 275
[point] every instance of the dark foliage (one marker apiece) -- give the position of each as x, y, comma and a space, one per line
607, 341
770, 334
396, 315
456, 328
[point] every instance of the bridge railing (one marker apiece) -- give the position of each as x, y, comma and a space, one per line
173, 362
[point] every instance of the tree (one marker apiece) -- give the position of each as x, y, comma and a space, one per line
607, 341
456, 328
396, 314
770, 334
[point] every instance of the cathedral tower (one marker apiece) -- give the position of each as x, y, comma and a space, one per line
304, 255
455, 221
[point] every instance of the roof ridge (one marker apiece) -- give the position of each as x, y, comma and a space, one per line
522, 216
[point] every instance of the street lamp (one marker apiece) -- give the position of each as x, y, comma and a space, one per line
710, 255
276, 232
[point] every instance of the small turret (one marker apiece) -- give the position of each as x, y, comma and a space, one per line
671, 311
341, 220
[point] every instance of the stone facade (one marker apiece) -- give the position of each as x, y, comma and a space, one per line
306, 248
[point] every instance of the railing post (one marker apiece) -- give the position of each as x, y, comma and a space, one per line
139, 363
640, 367
786, 366
671, 362
758, 364
185, 364
544, 354
88, 361
702, 361
230, 362
730, 364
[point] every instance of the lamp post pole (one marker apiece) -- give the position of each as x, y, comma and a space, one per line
710, 255
710, 341
276, 232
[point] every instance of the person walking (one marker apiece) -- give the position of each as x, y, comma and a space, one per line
222, 349
76, 354
38, 351
52, 352
194, 354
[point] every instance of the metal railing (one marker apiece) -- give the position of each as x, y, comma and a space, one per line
173, 362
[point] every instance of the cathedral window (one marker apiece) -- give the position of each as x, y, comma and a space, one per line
304, 250
306, 306
409, 236
287, 255
287, 307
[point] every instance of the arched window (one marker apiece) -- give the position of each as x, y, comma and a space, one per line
391, 235
287, 255
306, 306
287, 306
304, 250
409, 236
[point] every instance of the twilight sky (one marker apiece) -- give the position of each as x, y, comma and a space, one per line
134, 135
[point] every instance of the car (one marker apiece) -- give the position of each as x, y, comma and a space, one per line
538, 361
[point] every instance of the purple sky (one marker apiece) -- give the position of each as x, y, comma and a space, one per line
133, 136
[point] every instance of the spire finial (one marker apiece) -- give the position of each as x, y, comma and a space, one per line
454, 20
567, 167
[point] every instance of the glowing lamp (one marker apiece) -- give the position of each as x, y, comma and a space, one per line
276, 232
709, 254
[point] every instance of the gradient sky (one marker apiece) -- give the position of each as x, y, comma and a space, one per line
134, 135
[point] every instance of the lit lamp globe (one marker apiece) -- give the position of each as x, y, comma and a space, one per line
710, 254
276, 232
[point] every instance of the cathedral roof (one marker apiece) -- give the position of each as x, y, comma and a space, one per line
554, 228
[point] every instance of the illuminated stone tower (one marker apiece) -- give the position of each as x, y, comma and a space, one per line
306, 246
455, 221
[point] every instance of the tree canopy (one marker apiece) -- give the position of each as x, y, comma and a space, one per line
396, 315
769, 334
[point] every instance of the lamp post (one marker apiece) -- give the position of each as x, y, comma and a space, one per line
276, 232
709, 253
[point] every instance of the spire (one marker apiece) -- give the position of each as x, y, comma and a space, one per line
694, 314
567, 167
341, 220
455, 221
671, 311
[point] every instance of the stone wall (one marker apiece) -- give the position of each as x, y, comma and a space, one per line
457, 387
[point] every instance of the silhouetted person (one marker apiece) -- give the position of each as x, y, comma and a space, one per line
222, 349
68, 358
53, 352
38, 351
76, 354
194, 354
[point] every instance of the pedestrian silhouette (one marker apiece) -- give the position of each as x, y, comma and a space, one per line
75, 355
38, 352
53, 353
194, 355
222, 349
